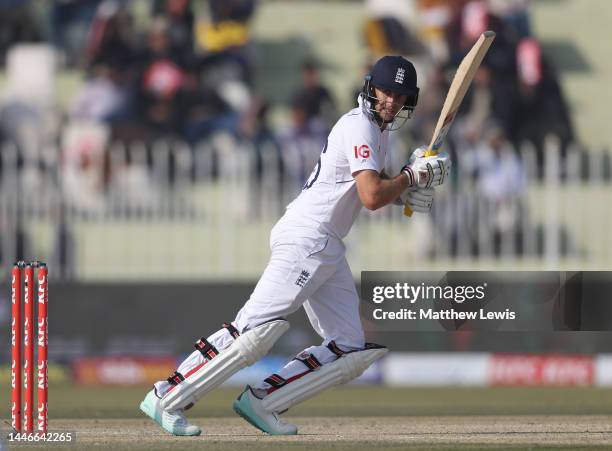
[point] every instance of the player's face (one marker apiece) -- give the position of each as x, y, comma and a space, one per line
389, 103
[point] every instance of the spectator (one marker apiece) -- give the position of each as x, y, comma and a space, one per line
301, 142
430, 104
501, 182
160, 76
110, 41
104, 97
180, 17
515, 13
28, 113
434, 17
386, 30
201, 110
316, 99
229, 29
16, 25
543, 109
232, 10
497, 168
498, 70
227, 65
106, 94
70, 21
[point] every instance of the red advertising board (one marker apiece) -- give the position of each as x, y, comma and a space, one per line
122, 370
524, 369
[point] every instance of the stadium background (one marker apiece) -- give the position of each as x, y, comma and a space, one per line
149, 181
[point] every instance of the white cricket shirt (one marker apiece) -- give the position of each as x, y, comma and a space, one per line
329, 201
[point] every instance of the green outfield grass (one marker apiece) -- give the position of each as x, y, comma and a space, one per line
67, 401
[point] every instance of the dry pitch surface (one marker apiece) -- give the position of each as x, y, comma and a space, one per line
344, 433
349, 418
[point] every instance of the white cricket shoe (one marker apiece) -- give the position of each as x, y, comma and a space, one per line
173, 421
249, 407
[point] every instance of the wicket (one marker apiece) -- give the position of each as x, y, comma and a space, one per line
27, 327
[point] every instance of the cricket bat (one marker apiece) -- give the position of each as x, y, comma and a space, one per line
459, 86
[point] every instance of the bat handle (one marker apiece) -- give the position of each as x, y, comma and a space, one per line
428, 153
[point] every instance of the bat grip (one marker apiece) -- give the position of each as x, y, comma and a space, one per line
428, 153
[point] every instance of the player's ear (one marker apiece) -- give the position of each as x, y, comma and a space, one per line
413, 99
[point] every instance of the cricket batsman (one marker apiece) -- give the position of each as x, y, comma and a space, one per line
308, 268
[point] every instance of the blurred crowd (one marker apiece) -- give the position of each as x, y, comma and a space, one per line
181, 71
515, 103
184, 70
173, 77
516, 92
516, 95
183, 77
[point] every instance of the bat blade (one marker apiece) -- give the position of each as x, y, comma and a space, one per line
459, 86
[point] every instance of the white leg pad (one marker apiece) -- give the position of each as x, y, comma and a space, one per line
247, 349
340, 371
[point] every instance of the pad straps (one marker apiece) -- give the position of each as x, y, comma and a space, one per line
275, 381
206, 349
309, 360
232, 330
176, 379
333, 347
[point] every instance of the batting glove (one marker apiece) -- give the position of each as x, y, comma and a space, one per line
426, 172
419, 201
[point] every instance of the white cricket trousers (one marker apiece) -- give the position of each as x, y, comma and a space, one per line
302, 271
312, 272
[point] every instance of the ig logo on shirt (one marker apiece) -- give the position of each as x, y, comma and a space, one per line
362, 151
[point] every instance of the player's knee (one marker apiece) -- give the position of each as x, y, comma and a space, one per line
347, 343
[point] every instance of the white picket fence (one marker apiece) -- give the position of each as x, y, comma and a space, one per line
168, 211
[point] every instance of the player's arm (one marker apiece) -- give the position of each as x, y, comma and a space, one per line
415, 199
375, 191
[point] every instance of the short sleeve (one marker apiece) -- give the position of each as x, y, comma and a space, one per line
361, 145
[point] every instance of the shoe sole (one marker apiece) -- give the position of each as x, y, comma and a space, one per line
246, 412
145, 409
